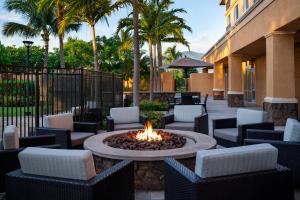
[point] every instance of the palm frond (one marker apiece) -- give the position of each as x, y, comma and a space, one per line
12, 28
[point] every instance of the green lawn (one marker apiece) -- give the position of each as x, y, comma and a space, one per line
13, 111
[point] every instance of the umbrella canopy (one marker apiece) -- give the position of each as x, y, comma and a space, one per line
186, 63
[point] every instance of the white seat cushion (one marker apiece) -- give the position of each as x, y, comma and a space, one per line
11, 137
184, 126
77, 138
64, 120
248, 116
128, 126
292, 131
237, 160
125, 115
187, 113
230, 134
70, 164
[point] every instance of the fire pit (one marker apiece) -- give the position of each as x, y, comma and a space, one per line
148, 148
146, 139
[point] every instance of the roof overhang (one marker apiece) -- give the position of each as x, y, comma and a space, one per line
222, 2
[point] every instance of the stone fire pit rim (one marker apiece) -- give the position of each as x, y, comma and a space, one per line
200, 142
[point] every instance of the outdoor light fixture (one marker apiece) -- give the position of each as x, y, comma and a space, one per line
27, 44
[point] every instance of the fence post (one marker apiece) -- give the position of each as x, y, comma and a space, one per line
81, 93
37, 97
101, 92
113, 90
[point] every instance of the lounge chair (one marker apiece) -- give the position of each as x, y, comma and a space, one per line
287, 142
248, 173
125, 118
187, 117
52, 174
12, 145
68, 134
232, 131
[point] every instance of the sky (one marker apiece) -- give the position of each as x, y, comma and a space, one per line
205, 17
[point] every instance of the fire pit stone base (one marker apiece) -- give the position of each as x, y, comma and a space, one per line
148, 175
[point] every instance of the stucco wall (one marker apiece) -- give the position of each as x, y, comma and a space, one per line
168, 83
297, 73
260, 70
269, 16
201, 82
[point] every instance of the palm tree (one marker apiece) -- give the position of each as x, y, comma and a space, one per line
38, 22
157, 24
171, 54
90, 12
60, 7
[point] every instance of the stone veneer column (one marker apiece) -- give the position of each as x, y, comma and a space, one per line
218, 90
235, 93
280, 101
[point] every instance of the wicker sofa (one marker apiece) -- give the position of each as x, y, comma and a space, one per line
68, 134
125, 118
287, 142
9, 155
229, 177
67, 174
231, 132
187, 117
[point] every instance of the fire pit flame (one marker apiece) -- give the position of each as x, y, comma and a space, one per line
148, 134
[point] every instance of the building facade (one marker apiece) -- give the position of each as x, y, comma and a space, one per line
258, 59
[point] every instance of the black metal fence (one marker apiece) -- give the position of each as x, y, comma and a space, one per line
28, 94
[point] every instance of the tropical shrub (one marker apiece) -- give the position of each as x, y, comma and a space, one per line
155, 117
146, 105
16, 87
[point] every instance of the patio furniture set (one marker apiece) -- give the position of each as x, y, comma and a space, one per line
54, 166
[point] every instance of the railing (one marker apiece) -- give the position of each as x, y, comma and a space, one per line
28, 94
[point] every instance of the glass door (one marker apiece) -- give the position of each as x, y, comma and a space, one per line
250, 86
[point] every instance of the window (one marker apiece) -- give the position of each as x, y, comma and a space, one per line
236, 12
246, 5
228, 23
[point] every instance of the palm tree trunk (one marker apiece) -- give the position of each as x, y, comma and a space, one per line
61, 51
154, 69
45, 36
151, 70
160, 63
96, 65
136, 52
60, 14
96, 62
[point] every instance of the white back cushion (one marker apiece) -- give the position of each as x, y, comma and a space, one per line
125, 115
64, 120
71, 164
187, 113
237, 160
247, 116
292, 131
11, 137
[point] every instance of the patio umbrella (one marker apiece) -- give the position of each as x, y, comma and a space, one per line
188, 63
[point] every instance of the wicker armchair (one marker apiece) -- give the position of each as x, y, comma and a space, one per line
187, 117
34, 182
231, 132
68, 134
181, 184
288, 151
125, 118
9, 158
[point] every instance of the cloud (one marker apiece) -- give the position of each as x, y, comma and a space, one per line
201, 43
10, 17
